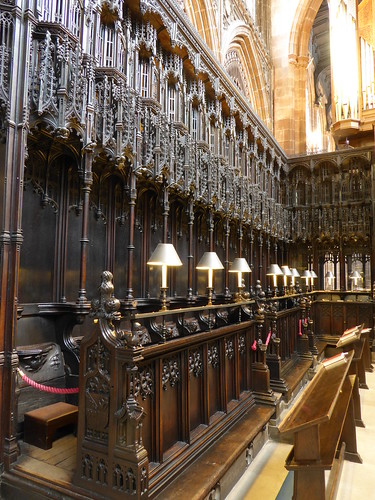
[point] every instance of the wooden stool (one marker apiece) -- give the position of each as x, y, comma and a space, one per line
41, 424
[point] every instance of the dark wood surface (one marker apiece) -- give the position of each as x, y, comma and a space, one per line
323, 425
316, 405
201, 477
42, 424
329, 435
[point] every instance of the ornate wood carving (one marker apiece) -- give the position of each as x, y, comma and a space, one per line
213, 355
110, 453
195, 363
170, 373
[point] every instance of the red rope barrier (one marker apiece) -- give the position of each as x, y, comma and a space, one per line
46, 388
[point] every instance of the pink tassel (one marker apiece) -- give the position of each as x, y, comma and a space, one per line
254, 346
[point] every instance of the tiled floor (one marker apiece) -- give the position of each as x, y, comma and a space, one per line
265, 476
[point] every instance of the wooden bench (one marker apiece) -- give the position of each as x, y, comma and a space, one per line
322, 422
40, 425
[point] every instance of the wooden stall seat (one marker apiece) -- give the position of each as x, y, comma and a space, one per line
41, 424
323, 426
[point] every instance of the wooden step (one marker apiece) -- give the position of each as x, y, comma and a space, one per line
41, 424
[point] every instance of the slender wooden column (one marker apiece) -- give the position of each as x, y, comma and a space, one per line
310, 329
110, 228
226, 263
210, 225
132, 201
240, 238
336, 264
251, 264
190, 211
86, 189
12, 166
276, 252
260, 257
342, 266
315, 263
165, 211
303, 339
261, 374
350, 270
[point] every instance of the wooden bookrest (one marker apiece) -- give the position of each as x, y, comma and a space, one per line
41, 424
353, 341
322, 422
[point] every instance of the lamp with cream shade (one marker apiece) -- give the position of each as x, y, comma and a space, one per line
165, 256
275, 271
286, 272
295, 274
209, 261
239, 265
313, 276
355, 276
330, 277
306, 274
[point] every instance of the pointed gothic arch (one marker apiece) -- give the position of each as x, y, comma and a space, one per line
290, 79
251, 68
301, 27
202, 15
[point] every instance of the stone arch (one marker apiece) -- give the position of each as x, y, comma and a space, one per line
301, 27
290, 78
202, 15
253, 73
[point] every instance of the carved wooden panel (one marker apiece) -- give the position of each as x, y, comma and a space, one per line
196, 388
351, 315
230, 367
243, 351
322, 318
170, 409
145, 394
213, 378
97, 393
332, 318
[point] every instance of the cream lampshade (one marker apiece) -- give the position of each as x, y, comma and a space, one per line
329, 276
274, 270
286, 272
239, 265
307, 275
209, 261
165, 256
295, 274
355, 276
